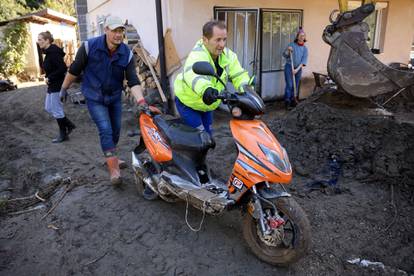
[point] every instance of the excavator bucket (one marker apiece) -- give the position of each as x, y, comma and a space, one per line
351, 63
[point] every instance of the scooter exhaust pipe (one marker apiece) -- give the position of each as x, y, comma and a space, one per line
136, 163
142, 172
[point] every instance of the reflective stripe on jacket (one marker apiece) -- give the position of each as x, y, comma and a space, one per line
189, 87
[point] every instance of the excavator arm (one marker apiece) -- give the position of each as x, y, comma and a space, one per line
343, 4
351, 63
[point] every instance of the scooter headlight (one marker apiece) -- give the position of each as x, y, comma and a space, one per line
236, 111
274, 158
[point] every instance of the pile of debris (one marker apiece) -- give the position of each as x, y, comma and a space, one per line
7, 85
148, 67
143, 63
370, 146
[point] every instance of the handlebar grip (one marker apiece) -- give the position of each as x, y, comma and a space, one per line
223, 96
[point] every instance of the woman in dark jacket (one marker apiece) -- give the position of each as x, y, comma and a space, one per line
55, 69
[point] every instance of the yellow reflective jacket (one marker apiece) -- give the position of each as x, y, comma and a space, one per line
189, 87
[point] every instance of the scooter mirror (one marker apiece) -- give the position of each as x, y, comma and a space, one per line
203, 68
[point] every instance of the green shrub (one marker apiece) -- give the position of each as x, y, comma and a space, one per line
12, 55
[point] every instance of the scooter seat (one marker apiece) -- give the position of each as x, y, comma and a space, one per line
181, 136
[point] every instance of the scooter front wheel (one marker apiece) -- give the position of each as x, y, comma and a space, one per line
285, 244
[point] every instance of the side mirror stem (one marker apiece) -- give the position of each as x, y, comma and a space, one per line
218, 78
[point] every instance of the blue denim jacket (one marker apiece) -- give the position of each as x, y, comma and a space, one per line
103, 74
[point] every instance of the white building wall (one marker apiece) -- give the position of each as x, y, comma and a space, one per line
198, 12
140, 13
186, 18
60, 31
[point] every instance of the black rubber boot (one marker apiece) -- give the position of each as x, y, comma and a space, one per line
62, 131
69, 125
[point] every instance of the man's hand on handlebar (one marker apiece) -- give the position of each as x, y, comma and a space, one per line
144, 107
210, 96
224, 96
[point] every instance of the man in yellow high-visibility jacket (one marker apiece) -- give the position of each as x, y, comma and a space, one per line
196, 95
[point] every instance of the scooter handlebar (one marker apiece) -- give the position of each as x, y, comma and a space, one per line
225, 96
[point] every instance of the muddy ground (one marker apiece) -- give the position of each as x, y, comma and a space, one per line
98, 230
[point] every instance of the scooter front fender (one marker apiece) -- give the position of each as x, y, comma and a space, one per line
272, 194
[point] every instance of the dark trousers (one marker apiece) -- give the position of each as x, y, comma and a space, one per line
196, 119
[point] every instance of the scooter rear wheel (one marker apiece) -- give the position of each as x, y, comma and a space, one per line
289, 243
151, 168
139, 183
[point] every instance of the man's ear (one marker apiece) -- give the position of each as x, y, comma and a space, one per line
205, 40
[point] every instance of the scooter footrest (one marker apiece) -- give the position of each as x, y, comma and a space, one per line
208, 201
197, 196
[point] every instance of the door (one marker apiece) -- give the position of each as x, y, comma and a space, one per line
279, 27
242, 34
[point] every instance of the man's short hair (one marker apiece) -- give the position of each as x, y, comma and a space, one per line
209, 26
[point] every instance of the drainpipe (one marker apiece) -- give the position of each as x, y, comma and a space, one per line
161, 48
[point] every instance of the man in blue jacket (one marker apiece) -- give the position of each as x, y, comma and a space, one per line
106, 61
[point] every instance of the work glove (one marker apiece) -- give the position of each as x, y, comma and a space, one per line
143, 106
210, 96
63, 95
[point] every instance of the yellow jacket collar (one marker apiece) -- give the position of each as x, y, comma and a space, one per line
223, 58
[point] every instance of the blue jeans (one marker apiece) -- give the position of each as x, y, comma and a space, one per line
289, 92
107, 117
196, 119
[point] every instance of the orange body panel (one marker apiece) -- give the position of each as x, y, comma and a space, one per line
154, 142
247, 134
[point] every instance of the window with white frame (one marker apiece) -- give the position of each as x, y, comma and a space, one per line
376, 22
100, 22
101, 28
241, 34
279, 29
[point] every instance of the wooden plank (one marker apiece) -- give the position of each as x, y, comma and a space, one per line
172, 58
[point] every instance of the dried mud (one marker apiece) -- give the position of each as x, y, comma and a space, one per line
98, 230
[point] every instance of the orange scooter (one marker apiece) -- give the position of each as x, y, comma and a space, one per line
170, 159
